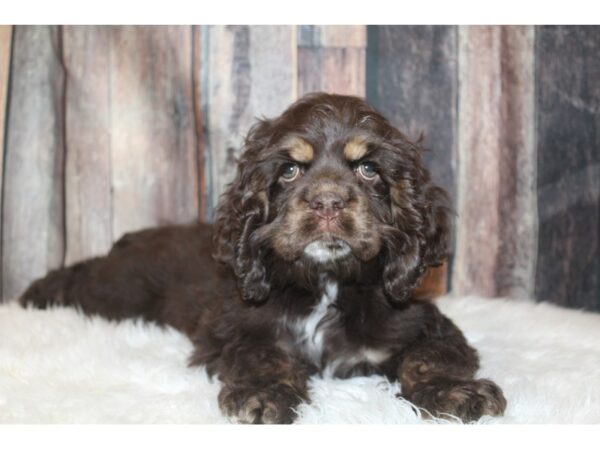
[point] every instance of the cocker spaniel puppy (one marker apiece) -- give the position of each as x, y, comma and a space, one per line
318, 243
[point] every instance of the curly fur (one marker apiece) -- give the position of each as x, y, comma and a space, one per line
318, 244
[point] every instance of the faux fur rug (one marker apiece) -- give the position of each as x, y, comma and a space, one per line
57, 366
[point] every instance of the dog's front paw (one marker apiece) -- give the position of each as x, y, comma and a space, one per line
466, 399
272, 404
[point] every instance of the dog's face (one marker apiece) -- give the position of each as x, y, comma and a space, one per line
328, 185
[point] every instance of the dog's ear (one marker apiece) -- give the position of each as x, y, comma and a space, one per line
243, 208
419, 232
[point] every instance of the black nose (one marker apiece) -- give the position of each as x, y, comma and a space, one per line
327, 204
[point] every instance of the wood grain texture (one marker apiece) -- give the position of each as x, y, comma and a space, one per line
496, 226
411, 79
5, 51
5, 46
331, 59
333, 70
345, 36
249, 72
568, 149
88, 142
153, 145
32, 234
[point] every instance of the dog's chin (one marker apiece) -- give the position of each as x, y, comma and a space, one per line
327, 250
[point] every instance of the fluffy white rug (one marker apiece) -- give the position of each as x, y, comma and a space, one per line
57, 366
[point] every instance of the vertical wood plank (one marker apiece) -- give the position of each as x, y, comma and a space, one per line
412, 80
496, 226
88, 156
5, 46
568, 146
153, 145
5, 50
249, 72
32, 233
332, 59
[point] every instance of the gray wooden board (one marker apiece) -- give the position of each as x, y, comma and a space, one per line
248, 72
5, 48
568, 148
32, 234
153, 142
411, 79
88, 157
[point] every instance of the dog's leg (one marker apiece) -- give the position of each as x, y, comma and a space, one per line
437, 374
261, 382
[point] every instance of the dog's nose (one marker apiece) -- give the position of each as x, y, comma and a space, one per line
327, 205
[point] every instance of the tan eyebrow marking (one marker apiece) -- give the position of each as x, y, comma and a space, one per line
355, 148
300, 150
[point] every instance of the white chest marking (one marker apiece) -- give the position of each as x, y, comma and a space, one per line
308, 330
321, 252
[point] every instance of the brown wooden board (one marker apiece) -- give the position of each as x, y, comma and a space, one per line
331, 59
5, 48
248, 72
5, 45
333, 70
341, 36
495, 246
153, 144
568, 149
88, 140
32, 214
412, 80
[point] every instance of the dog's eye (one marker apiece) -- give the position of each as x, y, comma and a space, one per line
290, 171
367, 170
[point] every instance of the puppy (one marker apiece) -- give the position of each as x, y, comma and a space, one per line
318, 243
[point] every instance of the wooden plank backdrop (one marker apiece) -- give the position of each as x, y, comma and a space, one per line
332, 59
111, 129
5, 51
131, 133
411, 79
88, 135
33, 190
248, 72
495, 244
568, 183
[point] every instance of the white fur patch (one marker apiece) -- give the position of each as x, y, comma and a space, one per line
309, 334
322, 251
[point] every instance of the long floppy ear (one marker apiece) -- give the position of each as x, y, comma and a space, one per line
420, 216
243, 208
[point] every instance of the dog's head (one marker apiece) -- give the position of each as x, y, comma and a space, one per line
330, 185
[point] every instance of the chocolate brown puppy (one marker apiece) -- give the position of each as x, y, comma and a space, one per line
318, 243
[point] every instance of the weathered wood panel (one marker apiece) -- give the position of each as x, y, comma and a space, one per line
153, 145
495, 247
568, 148
32, 234
332, 36
199, 115
248, 72
5, 45
5, 48
411, 79
332, 59
88, 134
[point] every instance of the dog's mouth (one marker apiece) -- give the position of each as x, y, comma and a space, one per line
326, 249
